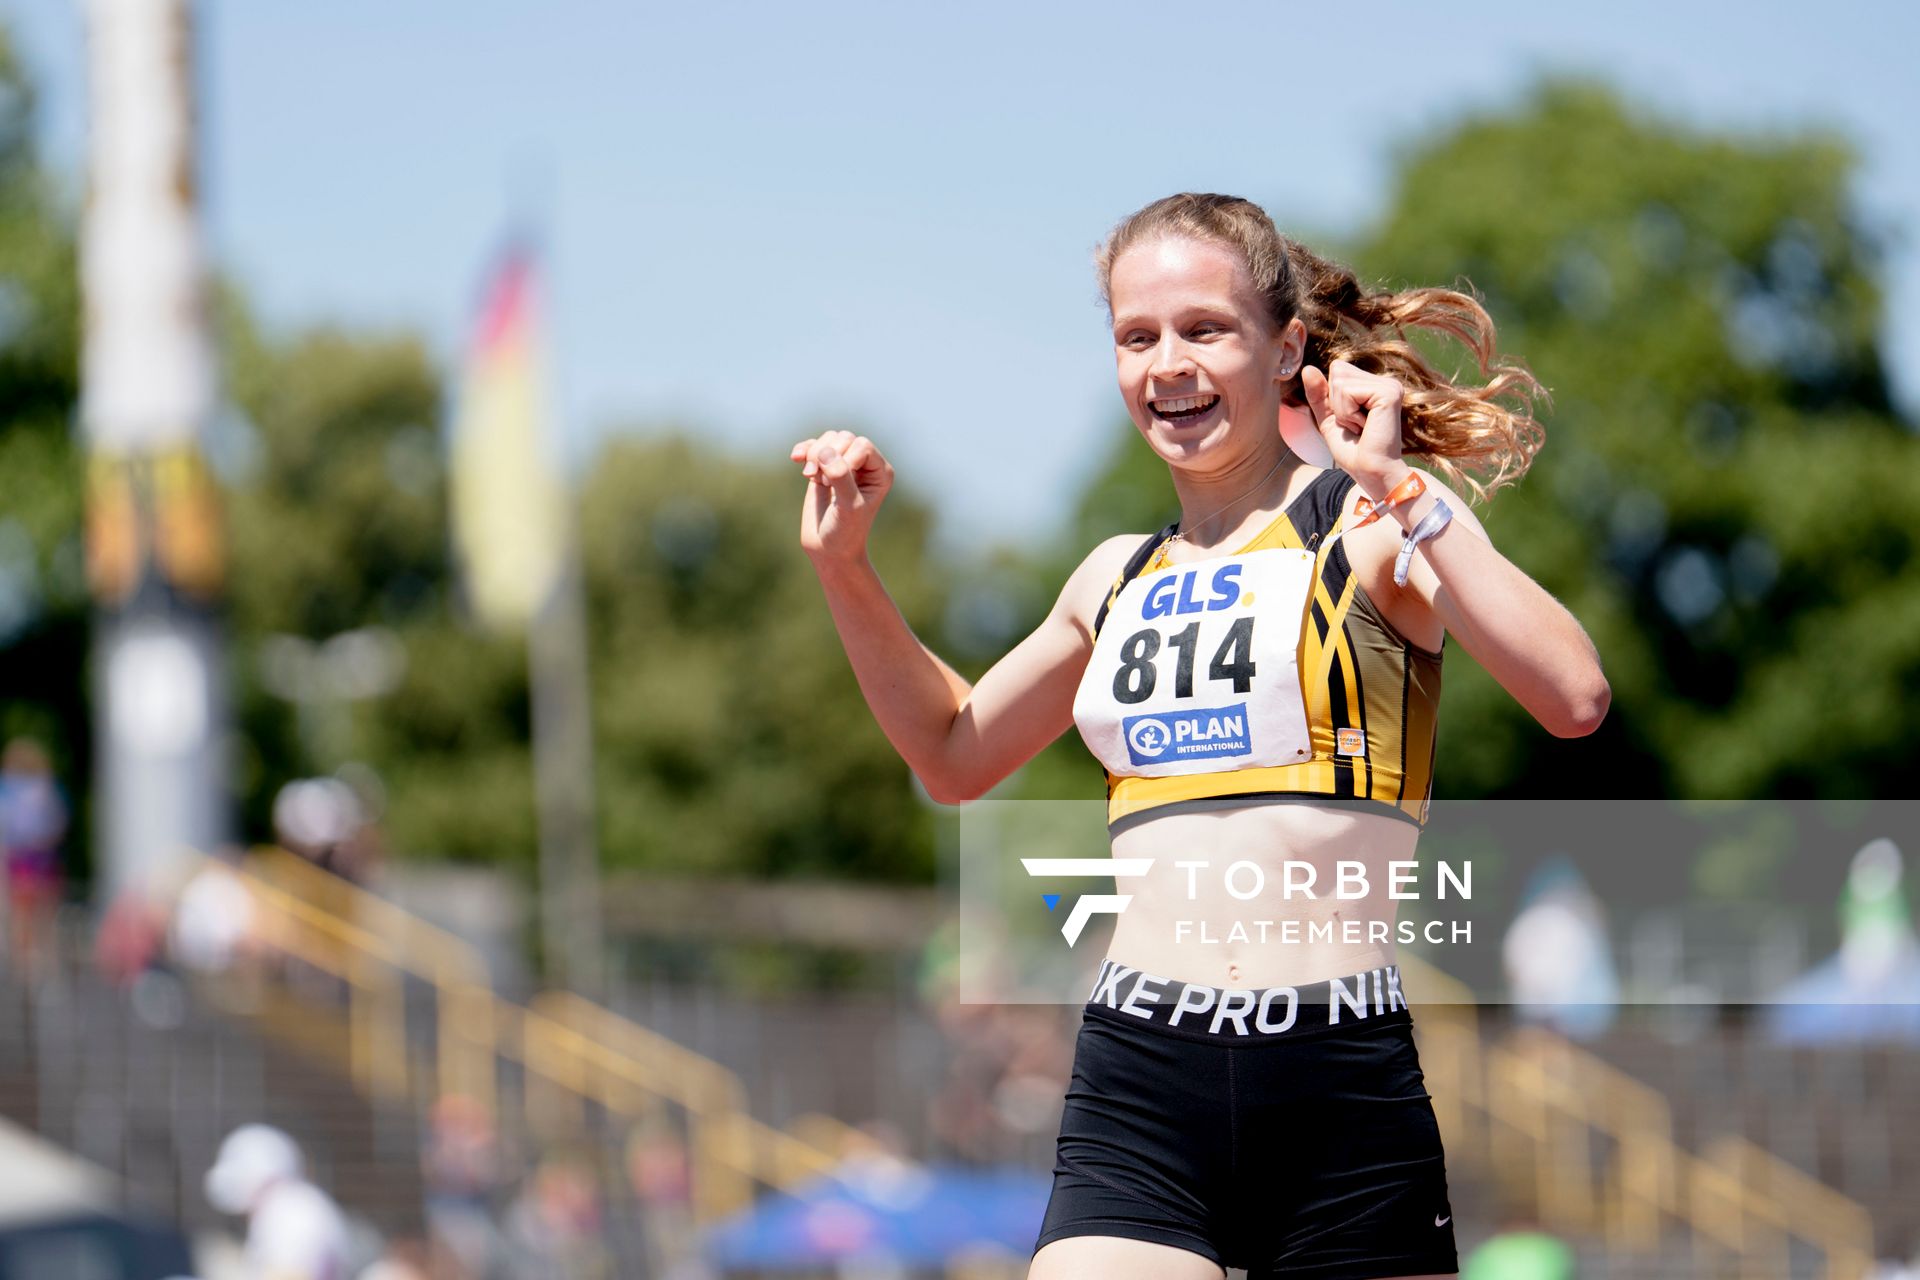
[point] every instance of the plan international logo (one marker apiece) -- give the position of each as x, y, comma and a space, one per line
1188, 735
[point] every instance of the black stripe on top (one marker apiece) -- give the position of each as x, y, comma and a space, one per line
1135, 564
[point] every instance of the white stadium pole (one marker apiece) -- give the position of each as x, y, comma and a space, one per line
154, 551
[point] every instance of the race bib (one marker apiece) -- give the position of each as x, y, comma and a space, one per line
1196, 669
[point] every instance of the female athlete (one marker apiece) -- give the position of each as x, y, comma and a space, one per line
1259, 680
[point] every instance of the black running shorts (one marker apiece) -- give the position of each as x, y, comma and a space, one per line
1287, 1131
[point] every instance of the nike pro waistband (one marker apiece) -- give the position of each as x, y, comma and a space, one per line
1230, 1013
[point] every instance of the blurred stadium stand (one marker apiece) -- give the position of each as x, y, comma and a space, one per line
1703, 1151
145, 1083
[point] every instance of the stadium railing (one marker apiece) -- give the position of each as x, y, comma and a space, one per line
378, 953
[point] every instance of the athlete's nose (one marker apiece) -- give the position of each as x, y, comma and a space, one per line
1172, 361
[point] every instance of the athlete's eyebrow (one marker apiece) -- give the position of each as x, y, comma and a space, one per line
1197, 310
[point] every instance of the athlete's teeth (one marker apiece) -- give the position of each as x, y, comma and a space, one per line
1184, 404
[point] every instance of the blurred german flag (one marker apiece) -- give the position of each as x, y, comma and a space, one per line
508, 497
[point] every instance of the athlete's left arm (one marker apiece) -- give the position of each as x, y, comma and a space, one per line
1526, 639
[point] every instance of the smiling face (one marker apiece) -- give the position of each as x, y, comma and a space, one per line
1201, 363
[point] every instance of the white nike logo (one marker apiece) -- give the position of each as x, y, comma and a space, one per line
1439, 1221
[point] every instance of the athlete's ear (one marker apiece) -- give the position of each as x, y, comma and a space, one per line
1293, 346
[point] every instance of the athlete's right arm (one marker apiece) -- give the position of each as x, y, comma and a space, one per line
960, 739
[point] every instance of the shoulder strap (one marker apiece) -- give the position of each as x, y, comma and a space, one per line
1326, 500
1135, 564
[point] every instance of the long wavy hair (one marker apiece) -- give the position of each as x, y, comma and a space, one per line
1477, 436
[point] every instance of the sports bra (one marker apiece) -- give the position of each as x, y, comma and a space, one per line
1262, 676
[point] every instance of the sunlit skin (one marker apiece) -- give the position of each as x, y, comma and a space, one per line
1189, 322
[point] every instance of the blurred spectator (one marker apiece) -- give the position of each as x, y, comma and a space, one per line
460, 1167
961, 1111
1870, 990
129, 936
361, 857
212, 920
1521, 1251
660, 1169
1007, 1072
294, 1229
33, 821
1876, 927
403, 1260
1558, 961
553, 1226
327, 822
1033, 1079
1007, 1064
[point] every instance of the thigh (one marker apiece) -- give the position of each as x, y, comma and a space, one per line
1114, 1258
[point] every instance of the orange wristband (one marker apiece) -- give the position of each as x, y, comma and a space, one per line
1404, 492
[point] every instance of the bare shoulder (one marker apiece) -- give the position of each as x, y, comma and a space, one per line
1110, 557
1087, 586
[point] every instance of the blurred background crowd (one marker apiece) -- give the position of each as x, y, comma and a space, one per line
550, 904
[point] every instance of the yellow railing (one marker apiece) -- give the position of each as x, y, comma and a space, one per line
587, 1053
463, 990
1593, 1150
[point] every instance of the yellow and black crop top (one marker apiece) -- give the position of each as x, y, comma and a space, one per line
1263, 676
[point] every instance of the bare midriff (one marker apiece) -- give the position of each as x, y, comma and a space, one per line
1186, 922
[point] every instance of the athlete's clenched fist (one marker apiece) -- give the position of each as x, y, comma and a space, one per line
1358, 414
848, 480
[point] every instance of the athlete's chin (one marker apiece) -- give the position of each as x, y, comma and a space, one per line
1177, 447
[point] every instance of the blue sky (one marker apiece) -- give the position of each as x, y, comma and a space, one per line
880, 215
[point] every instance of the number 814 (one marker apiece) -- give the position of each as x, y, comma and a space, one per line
1233, 660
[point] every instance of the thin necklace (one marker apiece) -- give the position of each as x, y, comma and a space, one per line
1180, 535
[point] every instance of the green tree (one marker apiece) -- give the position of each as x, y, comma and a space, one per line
1725, 496
337, 520
43, 597
731, 735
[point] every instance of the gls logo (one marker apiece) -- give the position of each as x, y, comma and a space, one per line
1092, 904
1173, 593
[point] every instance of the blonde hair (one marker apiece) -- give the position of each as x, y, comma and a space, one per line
1463, 432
